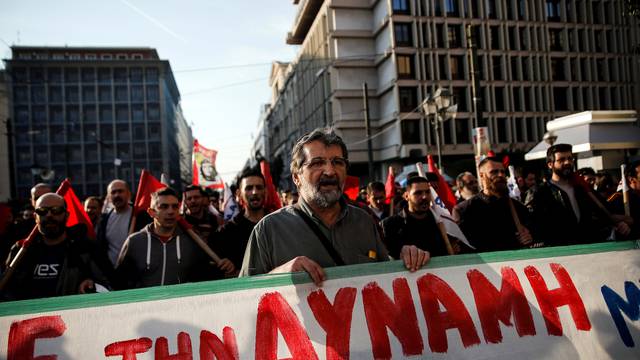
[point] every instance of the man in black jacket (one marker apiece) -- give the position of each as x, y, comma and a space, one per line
416, 224
562, 211
234, 235
486, 219
58, 261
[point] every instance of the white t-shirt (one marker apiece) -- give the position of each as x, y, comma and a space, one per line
572, 197
117, 232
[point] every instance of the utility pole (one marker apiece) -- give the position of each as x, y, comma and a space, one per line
472, 47
367, 125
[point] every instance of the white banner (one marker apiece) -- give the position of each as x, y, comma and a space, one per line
575, 302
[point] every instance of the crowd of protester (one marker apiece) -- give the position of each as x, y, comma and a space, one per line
317, 226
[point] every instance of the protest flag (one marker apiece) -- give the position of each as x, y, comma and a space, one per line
229, 204
272, 202
204, 167
77, 215
352, 187
444, 191
147, 185
390, 186
512, 184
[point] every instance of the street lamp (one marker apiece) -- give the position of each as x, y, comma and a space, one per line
439, 104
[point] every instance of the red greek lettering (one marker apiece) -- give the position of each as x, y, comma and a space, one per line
550, 300
334, 319
274, 313
496, 306
433, 292
23, 335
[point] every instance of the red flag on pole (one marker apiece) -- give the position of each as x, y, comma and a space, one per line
390, 186
444, 191
272, 202
352, 187
147, 185
77, 215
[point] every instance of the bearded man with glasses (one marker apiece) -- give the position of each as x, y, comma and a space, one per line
58, 261
321, 230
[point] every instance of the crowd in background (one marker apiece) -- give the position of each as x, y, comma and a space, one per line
155, 247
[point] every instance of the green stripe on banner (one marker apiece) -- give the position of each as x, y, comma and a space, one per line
269, 281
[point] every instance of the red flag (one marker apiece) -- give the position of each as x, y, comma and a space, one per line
390, 186
352, 187
444, 191
505, 161
272, 202
148, 184
77, 215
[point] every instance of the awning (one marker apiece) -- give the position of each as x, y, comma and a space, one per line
592, 130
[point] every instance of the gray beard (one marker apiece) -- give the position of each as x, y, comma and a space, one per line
321, 199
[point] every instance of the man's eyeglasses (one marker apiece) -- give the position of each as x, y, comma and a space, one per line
320, 163
55, 210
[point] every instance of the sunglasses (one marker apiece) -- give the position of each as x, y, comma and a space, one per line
55, 210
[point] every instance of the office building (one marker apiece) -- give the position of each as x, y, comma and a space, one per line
93, 115
537, 60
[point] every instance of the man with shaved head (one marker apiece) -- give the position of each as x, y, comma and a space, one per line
57, 262
39, 190
26, 225
114, 225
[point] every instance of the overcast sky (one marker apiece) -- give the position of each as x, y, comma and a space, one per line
240, 38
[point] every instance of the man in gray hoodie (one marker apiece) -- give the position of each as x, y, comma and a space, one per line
161, 253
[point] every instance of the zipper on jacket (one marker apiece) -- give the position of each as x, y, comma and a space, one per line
164, 262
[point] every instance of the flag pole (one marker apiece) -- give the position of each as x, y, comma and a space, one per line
443, 231
625, 191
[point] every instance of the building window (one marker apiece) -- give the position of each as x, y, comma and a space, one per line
135, 75
137, 94
152, 75
90, 56
120, 75
88, 94
106, 56
153, 93
555, 40
72, 94
497, 68
408, 97
121, 93
462, 131
405, 66
122, 113
557, 69
501, 131
88, 75
410, 132
104, 75
490, 8
21, 94
55, 75
136, 56
55, 115
499, 92
460, 98
153, 113
137, 113
560, 98
37, 94
453, 36
121, 56
401, 7
106, 114
89, 114
451, 7
456, 66
104, 93
403, 34
71, 75
553, 10
494, 32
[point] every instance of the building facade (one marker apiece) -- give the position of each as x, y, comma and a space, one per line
538, 60
5, 178
94, 115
